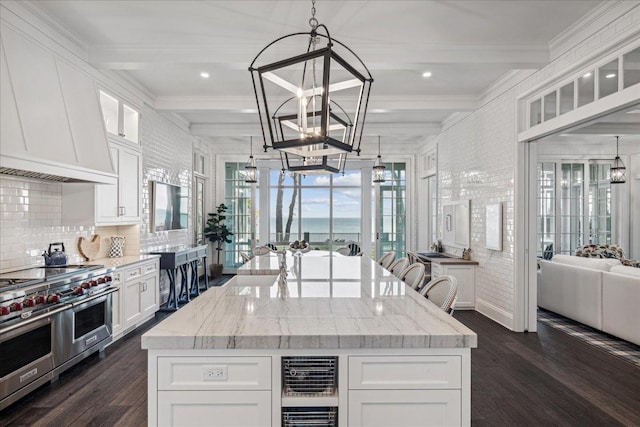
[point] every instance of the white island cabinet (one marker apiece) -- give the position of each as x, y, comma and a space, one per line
342, 342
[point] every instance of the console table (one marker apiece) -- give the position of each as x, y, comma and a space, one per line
181, 258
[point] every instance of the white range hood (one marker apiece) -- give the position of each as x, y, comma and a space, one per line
50, 119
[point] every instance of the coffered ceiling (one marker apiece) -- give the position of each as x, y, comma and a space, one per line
163, 46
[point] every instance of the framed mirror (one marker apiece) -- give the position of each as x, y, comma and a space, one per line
456, 221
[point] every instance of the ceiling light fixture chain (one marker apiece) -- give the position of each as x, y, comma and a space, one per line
312, 106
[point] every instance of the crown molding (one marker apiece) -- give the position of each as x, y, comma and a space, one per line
507, 81
32, 14
599, 17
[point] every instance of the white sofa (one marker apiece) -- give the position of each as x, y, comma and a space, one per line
601, 293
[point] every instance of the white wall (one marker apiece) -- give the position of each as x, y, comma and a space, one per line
477, 158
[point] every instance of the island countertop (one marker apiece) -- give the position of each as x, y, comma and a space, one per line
328, 302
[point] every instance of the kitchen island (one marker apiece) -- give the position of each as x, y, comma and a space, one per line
342, 341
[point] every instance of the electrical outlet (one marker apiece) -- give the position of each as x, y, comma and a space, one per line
214, 373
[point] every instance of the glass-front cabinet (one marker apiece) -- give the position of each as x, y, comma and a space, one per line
121, 120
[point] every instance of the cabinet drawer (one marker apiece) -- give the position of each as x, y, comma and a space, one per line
404, 372
149, 268
118, 277
405, 408
132, 273
214, 408
214, 373
436, 270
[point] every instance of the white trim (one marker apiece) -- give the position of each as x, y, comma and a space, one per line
599, 17
495, 313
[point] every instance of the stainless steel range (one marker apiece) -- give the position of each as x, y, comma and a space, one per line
50, 319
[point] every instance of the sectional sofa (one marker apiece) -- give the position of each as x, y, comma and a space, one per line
601, 293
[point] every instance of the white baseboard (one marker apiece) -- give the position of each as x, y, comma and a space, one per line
494, 313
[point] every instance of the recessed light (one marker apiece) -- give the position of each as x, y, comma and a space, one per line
204, 75
586, 76
426, 74
610, 76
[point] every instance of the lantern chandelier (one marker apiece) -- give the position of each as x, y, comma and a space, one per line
312, 106
617, 173
378, 168
251, 170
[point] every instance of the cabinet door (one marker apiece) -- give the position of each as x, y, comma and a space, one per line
132, 303
116, 311
465, 275
220, 408
106, 203
149, 294
129, 185
130, 120
404, 408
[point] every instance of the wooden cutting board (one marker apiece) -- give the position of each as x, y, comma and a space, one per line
89, 248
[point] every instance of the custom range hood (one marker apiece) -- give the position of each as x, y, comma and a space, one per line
50, 119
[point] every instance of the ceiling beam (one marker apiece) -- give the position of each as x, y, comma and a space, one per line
413, 55
379, 104
371, 129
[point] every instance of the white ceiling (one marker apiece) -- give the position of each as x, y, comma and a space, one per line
467, 45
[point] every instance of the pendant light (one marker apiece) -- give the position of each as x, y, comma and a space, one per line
251, 171
617, 173
312, 105
378, 168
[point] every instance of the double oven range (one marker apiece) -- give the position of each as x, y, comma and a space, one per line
50, 319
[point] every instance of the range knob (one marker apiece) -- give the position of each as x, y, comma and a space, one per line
102, 280
4, 310
31, 302
79, 290
54, 298
94, 283
16, 306
85, 285
41, 299
108, 278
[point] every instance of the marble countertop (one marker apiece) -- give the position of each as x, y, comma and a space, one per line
328, 302
121, 261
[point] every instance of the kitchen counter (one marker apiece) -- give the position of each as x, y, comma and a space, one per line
394, 351
446, 259
373, 310
121, 261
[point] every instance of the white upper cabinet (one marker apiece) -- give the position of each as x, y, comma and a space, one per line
120, 119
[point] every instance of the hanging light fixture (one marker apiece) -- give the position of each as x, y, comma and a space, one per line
251, 171
312, 106
617, 173
378, 168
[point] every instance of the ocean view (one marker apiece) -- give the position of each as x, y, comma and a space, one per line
321, 225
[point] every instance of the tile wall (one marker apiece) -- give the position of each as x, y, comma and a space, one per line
477, 156
167, 153
31, 219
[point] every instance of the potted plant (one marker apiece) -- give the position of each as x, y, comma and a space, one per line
218, 234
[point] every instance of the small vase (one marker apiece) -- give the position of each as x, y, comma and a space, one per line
117, 246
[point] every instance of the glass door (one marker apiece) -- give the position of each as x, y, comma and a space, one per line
324, 211
390, 208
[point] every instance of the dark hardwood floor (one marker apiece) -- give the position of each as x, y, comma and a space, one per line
547, 378
539, 379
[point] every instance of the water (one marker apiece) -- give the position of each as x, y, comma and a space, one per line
316, 230
321, 225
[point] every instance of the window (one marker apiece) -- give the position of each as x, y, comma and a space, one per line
599, 204
392, 210
322, 210
563, 210
240, 214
